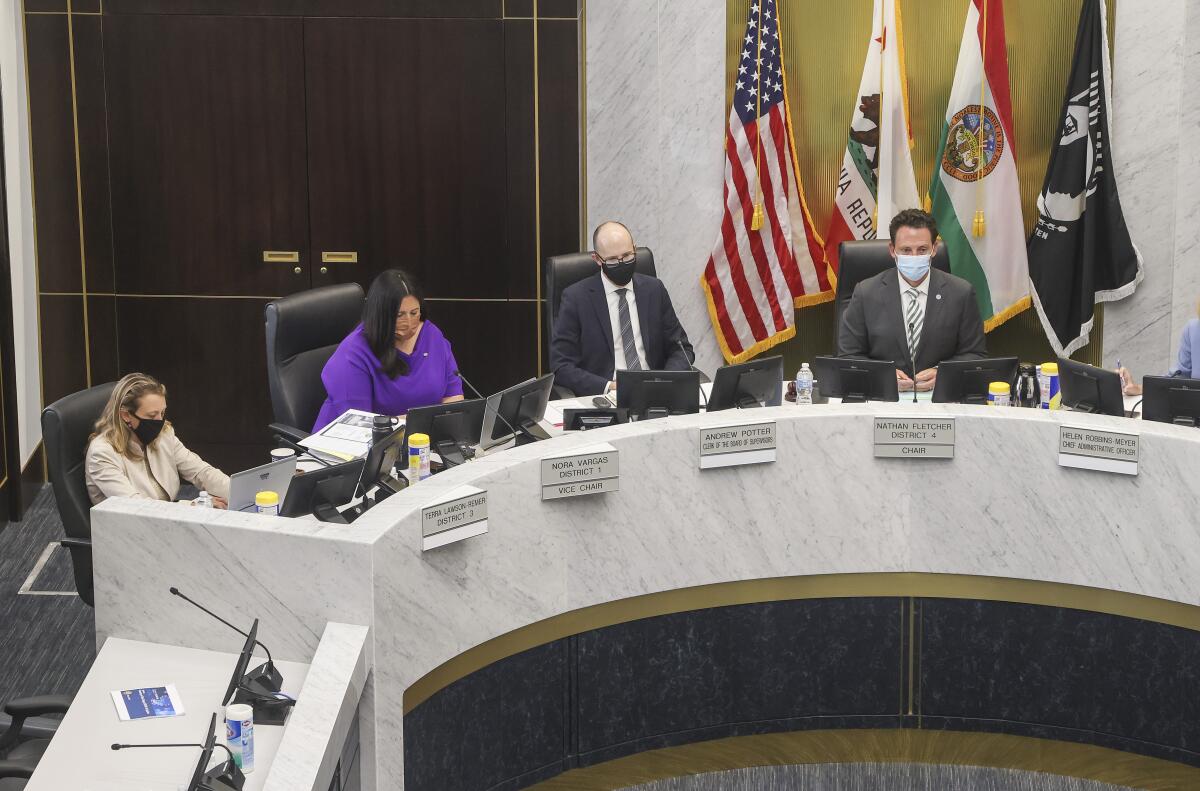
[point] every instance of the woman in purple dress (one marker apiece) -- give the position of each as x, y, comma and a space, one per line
394, 361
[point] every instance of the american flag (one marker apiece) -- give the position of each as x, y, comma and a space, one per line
761, 268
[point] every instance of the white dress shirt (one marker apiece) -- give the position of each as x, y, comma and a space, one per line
610, 294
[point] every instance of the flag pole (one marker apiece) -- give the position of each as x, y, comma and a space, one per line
756, 219
979, 224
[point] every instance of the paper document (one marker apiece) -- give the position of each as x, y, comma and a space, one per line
147, 702
348, 437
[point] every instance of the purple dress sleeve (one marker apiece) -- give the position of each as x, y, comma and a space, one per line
348, 385
454, 385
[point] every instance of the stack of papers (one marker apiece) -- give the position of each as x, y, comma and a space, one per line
346, 438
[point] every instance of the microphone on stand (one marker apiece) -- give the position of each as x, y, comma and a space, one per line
495, 412
691, 366
266, 673
301, 450
911, 332
180, 744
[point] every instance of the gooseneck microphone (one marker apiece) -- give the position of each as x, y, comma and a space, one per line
301, 450
181, 744
176, 592
478, 394
691, 366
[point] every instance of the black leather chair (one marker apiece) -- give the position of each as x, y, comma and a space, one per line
564, 271
303, 330
66, 426
23, 742
862, 260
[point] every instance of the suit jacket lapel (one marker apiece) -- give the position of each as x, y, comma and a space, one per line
599, 302
641, 298
933, 308
891, 298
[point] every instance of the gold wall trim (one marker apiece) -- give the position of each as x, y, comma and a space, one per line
523, 300
37, 270
537, 186
817, 586
952, 748
583, 127
83, 284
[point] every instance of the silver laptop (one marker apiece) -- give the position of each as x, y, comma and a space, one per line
275, 476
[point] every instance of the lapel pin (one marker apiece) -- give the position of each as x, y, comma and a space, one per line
939, 296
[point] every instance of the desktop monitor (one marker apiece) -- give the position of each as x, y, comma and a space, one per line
751, 384
225, 776
243, 662
379, 463
452, 428
966, 381
319, 491
1086, 388
855, 381
519, 408
1171, 399
655, 394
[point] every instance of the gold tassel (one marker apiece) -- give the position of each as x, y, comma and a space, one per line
757, 219
928, 203
978, 225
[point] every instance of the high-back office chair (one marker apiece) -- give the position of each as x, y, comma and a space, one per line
22, 743
303, 330
66, 426
863, 260
564, 271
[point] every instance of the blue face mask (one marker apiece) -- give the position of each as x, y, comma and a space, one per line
913, 267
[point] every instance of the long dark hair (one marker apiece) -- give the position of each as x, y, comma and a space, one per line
379, 317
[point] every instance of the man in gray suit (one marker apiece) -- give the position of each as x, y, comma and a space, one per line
914, 315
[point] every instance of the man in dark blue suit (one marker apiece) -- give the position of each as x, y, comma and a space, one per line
616, 320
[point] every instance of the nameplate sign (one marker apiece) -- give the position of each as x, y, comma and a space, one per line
734, 445
914, 438
1095, 449
591, 470
460, 515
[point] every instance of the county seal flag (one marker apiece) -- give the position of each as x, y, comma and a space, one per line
764, 262
976, 197
1080, 253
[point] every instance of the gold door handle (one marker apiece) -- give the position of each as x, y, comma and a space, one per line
324, 270
348, 257
297, 270
281, 256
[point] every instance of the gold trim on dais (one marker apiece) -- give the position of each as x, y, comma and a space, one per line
817, 586
882, 746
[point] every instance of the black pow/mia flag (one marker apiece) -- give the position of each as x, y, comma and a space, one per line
1080, 252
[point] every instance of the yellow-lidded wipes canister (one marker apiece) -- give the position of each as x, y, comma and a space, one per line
999, 394
267, 503
418, 457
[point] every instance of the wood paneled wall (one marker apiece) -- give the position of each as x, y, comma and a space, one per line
174, 141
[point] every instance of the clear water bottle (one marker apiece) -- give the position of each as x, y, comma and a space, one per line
204, 500
804, 385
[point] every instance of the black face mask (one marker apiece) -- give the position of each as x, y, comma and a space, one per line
148, 430
620, 272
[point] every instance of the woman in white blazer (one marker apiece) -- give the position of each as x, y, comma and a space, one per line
134, 451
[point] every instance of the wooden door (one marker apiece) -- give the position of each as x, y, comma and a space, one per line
207, 150
406, 150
